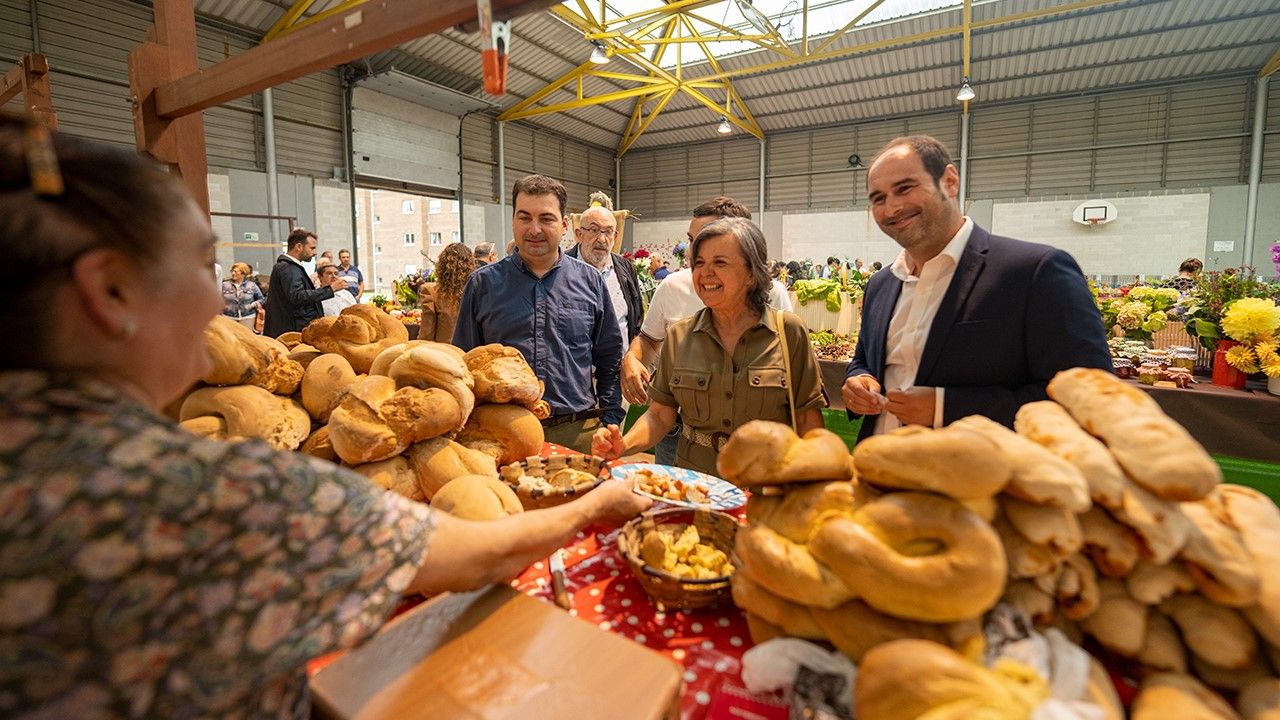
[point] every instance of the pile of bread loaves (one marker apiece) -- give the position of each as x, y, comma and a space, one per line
423, 419
1099, 516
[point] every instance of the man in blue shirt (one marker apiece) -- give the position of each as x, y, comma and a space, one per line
556, 311
350, 273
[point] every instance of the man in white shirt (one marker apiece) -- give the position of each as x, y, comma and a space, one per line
675, 300
965, 322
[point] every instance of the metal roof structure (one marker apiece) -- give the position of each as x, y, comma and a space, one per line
909, 62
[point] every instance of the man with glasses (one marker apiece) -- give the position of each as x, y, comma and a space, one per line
555, 310
596, 231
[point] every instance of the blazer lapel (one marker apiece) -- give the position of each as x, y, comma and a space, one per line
972, 261
878, 318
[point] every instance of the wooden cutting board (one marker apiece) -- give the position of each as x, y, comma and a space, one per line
495, 654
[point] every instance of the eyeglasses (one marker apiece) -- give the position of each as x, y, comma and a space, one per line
594, 231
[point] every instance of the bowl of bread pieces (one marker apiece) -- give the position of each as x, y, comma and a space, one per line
545, 482
682, 557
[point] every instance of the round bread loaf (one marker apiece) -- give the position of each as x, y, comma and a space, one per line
502, 375
251, 412
424, 364
1120, 622
509, 433
761, 452
359, 333
1175, 695
325, 383
438, 460
477, 497
239, 357
376, 421
394, 474
952, 461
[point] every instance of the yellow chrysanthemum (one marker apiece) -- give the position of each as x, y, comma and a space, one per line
1268, 352
1241, 357
1272, 370
1249, 318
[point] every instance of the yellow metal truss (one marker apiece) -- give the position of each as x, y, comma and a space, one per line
672, 25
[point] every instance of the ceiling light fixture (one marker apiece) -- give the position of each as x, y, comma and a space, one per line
966, 93
724, 128
598, 54
757, 19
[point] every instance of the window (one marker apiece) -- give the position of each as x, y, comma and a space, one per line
406, 207
453, 207
377, 249
433, 207
455, 236
410, 239
377, 219
435, 239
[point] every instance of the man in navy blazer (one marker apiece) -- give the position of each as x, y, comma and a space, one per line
965, 322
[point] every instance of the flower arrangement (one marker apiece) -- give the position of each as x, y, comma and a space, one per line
1141, 312
678, 252
1207, 302
1275, 256
1255, 324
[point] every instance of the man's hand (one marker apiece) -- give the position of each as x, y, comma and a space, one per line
913, 406
339, 283
635, 380
861, 394
607, 443
614, 503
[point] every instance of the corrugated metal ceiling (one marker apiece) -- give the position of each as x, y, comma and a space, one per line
1122, 44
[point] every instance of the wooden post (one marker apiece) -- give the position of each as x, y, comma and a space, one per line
169, 53
29, 77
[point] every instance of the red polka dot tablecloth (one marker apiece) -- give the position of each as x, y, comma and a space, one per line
709, 643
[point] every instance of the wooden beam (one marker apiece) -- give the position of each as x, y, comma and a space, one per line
11, 84
168, 53
353, 34
38, 97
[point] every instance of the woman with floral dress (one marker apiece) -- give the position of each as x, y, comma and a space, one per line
145, 572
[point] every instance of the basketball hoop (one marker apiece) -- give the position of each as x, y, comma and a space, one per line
1094, 222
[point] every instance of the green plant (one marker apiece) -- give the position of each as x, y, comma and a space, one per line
808, 291
1213, 293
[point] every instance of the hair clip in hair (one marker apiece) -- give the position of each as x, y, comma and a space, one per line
42, 162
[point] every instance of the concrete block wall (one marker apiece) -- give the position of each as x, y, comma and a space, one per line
333, 214
847, 234
1150, 235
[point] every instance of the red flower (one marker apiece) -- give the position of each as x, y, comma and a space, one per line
641, 253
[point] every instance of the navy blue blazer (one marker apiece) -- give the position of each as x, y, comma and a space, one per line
1015, 314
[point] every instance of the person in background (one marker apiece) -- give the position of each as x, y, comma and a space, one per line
485, 253
350, 273
794, 272
293, 300
169, 575
596, 230
328, 272
724, 366
1188, 271
555, 310
241, 295
965, 322
831, 270
877, 266
440, 300
663, 269
674, 300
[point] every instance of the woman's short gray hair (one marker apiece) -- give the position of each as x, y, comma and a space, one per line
754, 249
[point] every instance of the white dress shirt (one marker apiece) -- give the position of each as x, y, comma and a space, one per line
912, 317
336, 304
616, 295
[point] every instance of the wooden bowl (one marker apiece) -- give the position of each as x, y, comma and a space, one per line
539, 467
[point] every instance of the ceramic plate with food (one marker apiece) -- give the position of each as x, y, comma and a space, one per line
680, 486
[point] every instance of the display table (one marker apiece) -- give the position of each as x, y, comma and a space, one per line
1234, 423
708, 644
817, 317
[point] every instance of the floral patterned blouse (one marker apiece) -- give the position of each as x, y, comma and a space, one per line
145, 572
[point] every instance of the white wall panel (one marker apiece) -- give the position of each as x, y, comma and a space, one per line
399, 140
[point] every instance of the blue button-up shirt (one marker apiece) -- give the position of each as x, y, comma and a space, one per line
563, 323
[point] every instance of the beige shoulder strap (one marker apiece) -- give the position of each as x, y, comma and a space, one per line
786, 365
